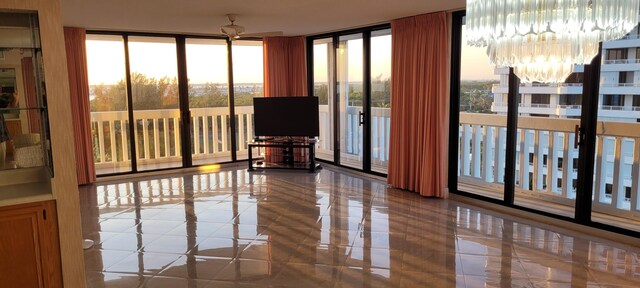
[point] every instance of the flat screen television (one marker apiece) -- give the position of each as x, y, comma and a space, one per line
286, 116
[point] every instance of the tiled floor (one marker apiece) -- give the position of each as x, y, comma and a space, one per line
330, 229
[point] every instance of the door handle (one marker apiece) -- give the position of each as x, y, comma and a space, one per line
577, 137
360, 118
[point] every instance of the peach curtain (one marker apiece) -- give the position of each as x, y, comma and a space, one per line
285, 67
285, 74
419, 104
30, 94
79, 89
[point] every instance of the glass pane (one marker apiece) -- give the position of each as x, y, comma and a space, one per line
323, 88
617, 159
108, 102
483, 118
208, 100
380, 118
247, 84
547, 160
350, 66
154, 88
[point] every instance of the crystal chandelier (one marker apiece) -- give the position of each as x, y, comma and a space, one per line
543, 39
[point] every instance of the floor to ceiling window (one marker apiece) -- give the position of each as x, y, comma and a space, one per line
616, 187
482, 130
351, 76
546, 159
108, 103
207, 71
154, 90
248, 83
143, 85
380, 116
323, 88
350, 101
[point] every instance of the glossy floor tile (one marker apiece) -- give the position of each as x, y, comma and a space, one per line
232, 228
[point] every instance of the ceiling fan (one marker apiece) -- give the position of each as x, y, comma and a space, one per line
234, 31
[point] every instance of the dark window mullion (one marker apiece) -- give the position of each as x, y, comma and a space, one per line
366, 100
232, 107
183, 96
587, 152
132, 124
454, 113
512, 141
336, 103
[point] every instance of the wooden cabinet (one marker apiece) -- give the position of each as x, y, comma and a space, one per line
29, 246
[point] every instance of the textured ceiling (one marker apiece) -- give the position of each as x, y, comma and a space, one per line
293, 17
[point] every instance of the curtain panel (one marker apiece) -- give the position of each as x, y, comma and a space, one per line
420, 104
285, 74
285, 66
79, 89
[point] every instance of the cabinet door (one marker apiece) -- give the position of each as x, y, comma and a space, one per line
29, 249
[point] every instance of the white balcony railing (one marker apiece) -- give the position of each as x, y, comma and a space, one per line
352, 144
620, 85
545, 161
619, 108
569, 106
622, 61
535, 105
157, 135
498, 86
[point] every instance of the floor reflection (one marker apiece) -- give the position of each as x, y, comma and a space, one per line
331, 229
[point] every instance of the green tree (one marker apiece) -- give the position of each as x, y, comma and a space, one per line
109, 97
381, 92
476, 96
147, 94
322, 92
210, 96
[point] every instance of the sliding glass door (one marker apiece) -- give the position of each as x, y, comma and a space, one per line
350, 99
323, 88
351, 76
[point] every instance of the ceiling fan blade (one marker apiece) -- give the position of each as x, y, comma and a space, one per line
262, 34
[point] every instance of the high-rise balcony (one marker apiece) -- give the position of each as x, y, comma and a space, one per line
619, 88
628, 41
541, 88
157, 137
628, 113
545, 172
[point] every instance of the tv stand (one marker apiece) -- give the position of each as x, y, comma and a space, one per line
287, 146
